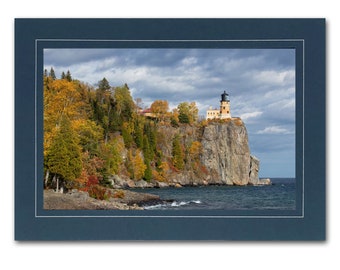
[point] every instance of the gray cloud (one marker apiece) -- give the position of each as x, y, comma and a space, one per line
260, 82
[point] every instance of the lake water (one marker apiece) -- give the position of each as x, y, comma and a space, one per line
281, 195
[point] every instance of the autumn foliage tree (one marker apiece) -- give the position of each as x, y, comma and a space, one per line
94, 132
160, 109
136, 165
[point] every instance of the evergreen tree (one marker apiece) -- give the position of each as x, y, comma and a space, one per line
63, 75
148, 171
127, 134
104, 109
104, 84
177, 153
64, 156
138, 131
150, 130
183, 118
52, 74
68, 76
146, 148
124, 103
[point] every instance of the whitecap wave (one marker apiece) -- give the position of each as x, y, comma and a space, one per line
154, 207
182, 203
174, 204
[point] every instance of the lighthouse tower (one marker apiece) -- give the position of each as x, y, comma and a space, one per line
225, 106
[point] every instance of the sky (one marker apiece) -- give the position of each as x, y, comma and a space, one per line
260, 84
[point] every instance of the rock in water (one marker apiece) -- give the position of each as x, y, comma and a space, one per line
254, 170
226, 154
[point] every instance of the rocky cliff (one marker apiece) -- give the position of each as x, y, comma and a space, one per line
226, 153
224, 157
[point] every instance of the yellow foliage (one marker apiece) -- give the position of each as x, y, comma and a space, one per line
195, 149
61, 99
157, 176
160, 108
138, 166
164, 167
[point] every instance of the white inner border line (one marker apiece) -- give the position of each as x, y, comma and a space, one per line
178, 41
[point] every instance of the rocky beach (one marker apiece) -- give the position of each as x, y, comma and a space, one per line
80, 200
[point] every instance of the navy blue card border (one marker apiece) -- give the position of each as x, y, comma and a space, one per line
307, 222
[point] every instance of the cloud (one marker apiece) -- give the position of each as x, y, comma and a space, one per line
246, 116
274, 77
260, 83
274, 130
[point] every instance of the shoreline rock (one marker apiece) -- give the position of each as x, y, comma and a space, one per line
80, 200
119, 183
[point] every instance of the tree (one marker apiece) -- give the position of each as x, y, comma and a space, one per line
61, 100
52, 74
148, 170
139, 130
89, 134
147, 152
103, 92
111, 153
68, 76
103, 108
184, 118
64, 156
91, 170
150, 131
124, 103
127, 131
177, 153
188, 112
136, 166
104, 85
160, 109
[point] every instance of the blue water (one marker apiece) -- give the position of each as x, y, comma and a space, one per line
281, 195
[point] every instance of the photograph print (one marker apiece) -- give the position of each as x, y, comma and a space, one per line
169, 128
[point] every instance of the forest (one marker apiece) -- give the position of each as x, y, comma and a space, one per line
94, 132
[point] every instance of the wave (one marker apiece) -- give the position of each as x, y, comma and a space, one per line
174, 204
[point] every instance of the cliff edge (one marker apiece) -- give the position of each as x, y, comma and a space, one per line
226, 153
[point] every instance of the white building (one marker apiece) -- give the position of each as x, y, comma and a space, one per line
223, 112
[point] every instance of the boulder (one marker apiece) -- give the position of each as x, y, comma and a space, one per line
142, 184
130, 183
117, 182
162, 184
265, 181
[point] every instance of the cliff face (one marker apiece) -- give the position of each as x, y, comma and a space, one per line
224, 157
226, 154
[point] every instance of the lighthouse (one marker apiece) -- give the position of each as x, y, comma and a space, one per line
225, 106
223, 112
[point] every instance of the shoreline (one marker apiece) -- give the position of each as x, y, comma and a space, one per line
128, 184
81, 200
122, 197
